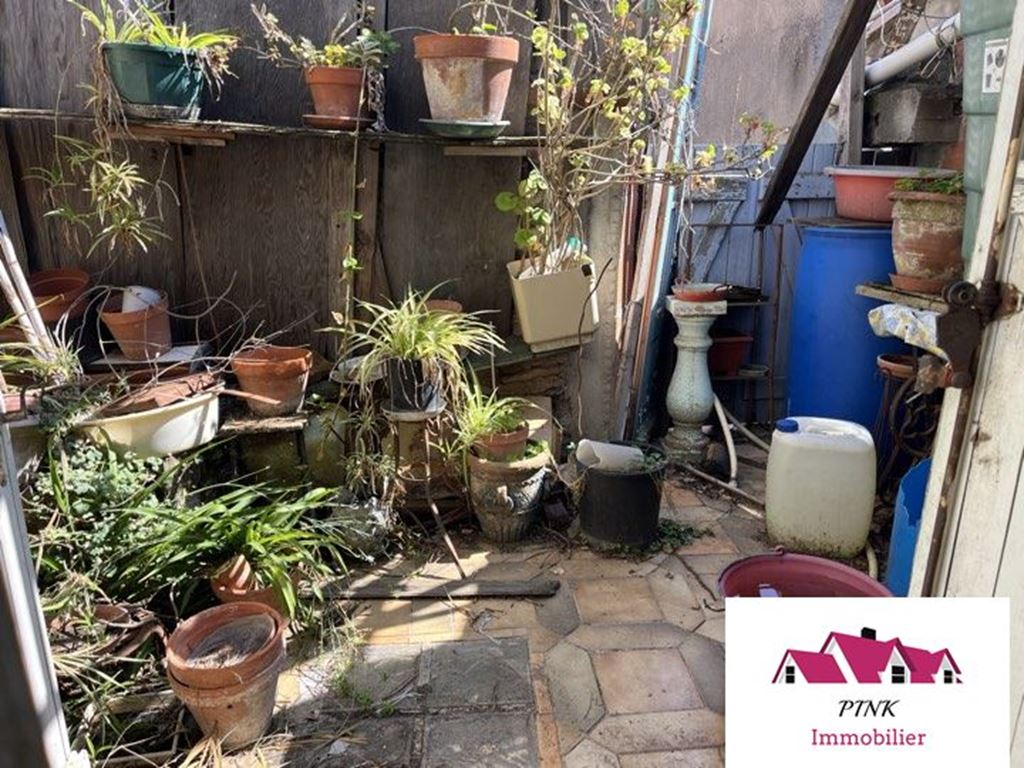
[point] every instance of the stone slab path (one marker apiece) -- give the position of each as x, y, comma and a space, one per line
624, 667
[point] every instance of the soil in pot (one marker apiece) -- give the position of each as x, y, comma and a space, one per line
620, 509
503, 446
278, 373
338, 92
223, 646
58, 292
927, 234
412, 388
467, 77
156, 76
141, 335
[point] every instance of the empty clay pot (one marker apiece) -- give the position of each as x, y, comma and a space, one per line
444, 305
336, 91
57, 292
141, 335
279, 373
225, 645
467, 77
927, 232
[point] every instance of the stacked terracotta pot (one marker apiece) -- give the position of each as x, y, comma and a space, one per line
223, 663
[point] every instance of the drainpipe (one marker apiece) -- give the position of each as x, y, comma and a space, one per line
692, 69
917, 50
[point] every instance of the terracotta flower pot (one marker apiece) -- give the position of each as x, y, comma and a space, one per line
57, 292
927, 233
253, 633
280, 373
336, 92
235, 583
232, 655
702, 292
444, 305
506, 495
467, 77
502, 446
862, 191
141, 335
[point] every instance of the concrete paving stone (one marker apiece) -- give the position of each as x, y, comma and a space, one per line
435, 620
660, 731
645, 681
541, 639
747, 533
616, 601
379, 672
715, 542
494, 613
495, 740
575, 695
558, 613
679, 604
382, 620
477, 673
705, 660
587, 754
378, 741
698, 517
568, 736
622, 637
710, 565
689, 758
713, 628
585, 564
675, 495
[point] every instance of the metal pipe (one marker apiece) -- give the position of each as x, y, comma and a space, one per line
724, 486
872, 560
917, 50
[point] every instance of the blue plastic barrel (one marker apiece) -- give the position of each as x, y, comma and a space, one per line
832, 349
906, 524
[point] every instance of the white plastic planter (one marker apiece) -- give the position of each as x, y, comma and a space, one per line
161, 431
549, 307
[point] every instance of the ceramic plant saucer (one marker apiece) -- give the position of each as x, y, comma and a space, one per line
466, 129
337, 122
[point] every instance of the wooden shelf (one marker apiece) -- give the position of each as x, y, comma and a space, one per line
219, 133
252, 425
885, 292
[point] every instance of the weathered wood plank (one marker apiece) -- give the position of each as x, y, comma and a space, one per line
44, 56
261, 209
9, 202
374, 588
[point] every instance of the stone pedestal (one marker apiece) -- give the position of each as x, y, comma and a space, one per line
690, 398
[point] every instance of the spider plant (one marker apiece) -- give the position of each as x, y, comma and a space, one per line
481, 416
408, 339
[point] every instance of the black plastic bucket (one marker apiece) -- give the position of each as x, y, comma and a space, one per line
620, 509
410, 388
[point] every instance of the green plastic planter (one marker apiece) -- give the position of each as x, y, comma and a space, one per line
156, 76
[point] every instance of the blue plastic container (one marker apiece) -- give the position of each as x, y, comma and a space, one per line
906, 525
832, 353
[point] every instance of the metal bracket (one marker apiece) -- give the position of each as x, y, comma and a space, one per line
970, 308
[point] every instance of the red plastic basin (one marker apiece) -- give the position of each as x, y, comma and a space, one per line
792, 575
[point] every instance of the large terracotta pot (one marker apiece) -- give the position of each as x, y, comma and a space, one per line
467, 77
57, 292
141, 335
502, 446
927, 233
279, 373
231, 657
336, 92
506, 496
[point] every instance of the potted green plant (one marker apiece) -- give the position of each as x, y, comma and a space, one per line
467, 76
606, 92
256, 541
344, 78
157, 69
927, 232
492, 427
419, 350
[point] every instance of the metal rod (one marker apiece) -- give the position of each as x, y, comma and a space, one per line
724, 486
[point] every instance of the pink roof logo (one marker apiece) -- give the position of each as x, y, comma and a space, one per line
866, 659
